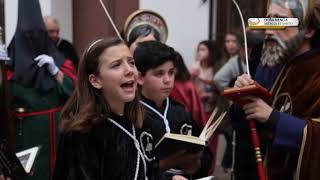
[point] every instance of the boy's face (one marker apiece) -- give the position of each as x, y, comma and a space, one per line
157, 83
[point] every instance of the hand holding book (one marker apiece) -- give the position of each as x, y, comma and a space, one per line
243, 80
185, 151
257, 109
252, 97
171, 143
189, 162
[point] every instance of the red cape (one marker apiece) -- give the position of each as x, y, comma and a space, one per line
67, 68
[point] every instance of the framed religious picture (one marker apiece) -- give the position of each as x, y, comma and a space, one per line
146, 17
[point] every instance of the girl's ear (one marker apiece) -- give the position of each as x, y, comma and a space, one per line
95, 81
140, 79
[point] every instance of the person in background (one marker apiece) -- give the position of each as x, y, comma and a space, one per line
65, 47
231, 45
40, 80
226, 77
206, 65
140, 34
184, 92
138, 28
236, 65
208, 61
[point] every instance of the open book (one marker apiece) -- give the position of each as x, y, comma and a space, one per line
171, 143
206, 178
237, 94
19, 164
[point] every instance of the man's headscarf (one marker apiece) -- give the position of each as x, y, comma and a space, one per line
30, 40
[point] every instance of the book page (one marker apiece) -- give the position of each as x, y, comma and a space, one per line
206, 178
181, 137
186, 138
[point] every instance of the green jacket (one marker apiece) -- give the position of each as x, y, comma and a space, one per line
39, 130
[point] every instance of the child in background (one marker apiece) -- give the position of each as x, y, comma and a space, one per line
207, 63
231, 45
184, 92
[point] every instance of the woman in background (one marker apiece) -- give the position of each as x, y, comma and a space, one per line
231, 45
184, 91
208, 61
140, 34
202, 72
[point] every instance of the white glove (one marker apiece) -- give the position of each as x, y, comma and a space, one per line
45, 59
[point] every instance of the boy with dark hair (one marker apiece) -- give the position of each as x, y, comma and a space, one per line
156, 65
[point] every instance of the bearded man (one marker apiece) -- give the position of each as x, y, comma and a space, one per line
290, 69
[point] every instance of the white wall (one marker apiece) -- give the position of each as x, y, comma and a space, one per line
62, 9
11, 18
187, 21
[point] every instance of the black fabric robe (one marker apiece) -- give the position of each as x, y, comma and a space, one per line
67, 49
31, 40
180, 122
106, 152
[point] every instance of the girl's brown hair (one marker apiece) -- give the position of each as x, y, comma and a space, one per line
214, 56
237, 36
87, 106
